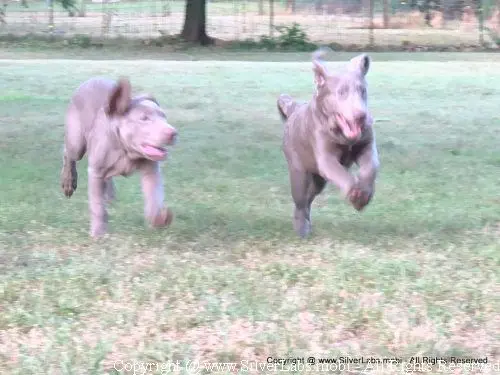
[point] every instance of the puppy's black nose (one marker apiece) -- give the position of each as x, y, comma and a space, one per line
171, 135
360, 119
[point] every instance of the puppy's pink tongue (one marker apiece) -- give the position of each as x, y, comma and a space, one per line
346, 129
352, 133
153, 151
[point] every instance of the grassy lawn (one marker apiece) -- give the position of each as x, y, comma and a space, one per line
417, 273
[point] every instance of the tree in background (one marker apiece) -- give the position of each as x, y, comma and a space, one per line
2, 13
290, 5
425, 7
68, 5
195, 22
81, 10
318, 6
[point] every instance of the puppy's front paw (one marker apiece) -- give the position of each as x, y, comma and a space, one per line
163, 219
360, 195
68, 182
97, 231
302, 227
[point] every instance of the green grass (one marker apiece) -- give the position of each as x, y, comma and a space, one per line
417, 273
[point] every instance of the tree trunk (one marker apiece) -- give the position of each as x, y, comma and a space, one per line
81, 11
386, 14
194, 29
318, 6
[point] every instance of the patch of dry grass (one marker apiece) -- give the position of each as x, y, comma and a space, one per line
322, 299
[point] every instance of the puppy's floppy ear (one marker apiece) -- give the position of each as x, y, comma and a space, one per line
360, 64
120, 98
320, 71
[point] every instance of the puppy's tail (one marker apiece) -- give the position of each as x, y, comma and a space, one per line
286, 106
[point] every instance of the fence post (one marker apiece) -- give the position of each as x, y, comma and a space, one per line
271, 18
372, 26
81, 11
105, 14
480, 18
155, 19
103, 20
261, 7
236, 28
244, 11
50, 4
386, 13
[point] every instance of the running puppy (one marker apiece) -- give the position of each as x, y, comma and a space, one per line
325, 136
121, 134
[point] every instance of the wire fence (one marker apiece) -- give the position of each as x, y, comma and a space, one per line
355, 22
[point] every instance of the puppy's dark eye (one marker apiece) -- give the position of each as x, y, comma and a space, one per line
343, 91
144, 118
362, 91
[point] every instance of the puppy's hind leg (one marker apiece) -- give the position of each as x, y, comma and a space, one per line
315, 187
300, 186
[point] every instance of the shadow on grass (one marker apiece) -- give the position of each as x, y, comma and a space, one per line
220, 229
